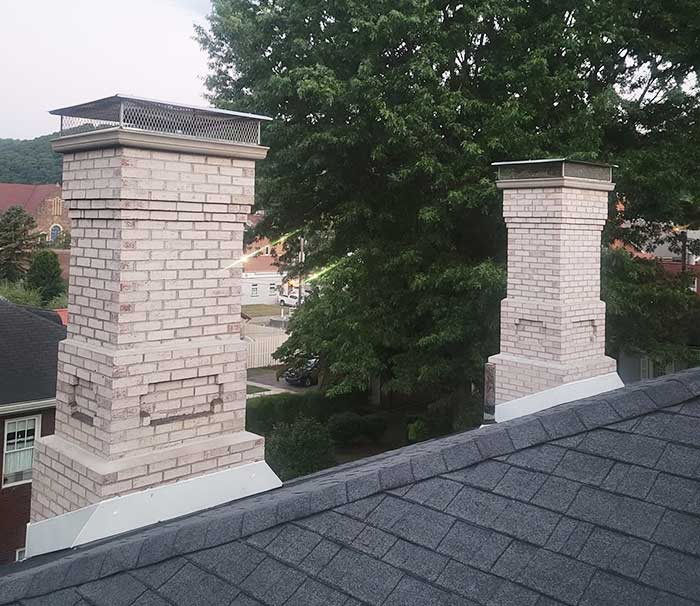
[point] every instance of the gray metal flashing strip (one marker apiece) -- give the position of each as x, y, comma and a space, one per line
105, 101
338, 486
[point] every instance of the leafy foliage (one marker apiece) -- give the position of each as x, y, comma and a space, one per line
387, 117
648, 309
17, 242
44, 275
346, 427
299, 448
264, 412
20, 294
29, 161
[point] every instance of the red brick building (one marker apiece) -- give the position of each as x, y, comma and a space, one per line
43, 202
28, 352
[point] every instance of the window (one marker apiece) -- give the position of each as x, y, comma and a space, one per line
254, 290
54, 233
57, 207
19, 450
273, 288
20, 554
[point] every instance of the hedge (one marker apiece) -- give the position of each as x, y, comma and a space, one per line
299, 448
346, 427
264, 412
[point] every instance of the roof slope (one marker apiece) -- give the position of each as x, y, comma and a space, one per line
26, 195
591, 503
28, 353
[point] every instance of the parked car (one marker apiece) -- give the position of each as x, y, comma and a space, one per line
290, 300
305, 376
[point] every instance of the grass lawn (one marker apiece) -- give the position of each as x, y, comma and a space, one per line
249, 389
255, 311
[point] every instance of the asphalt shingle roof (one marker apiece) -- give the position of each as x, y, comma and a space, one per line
28, 353
596, 502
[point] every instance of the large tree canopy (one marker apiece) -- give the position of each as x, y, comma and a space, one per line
387, 117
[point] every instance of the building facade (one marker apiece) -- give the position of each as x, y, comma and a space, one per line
263, 278
44, 202
28, 350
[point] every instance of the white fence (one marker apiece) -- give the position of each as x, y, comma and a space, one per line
262, 342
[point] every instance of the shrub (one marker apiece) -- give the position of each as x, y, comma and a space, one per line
299, 448
264, 412
20, 294
345, 427
58, 302
418, 430
375, 426
44, 275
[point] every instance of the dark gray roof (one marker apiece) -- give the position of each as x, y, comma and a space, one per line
28, 353
591, 503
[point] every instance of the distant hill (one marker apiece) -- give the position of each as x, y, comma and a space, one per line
29, 161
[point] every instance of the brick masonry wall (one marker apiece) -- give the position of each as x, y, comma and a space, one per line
15, 500
552, 321
52, 211
153, 359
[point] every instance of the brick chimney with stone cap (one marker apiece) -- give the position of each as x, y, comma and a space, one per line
552, 320
152, 376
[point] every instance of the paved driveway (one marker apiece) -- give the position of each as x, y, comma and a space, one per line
267, 376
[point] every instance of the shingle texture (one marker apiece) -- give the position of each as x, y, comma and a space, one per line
28, 353
608, 514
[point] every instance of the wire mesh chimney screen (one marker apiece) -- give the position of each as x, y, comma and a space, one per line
160, 117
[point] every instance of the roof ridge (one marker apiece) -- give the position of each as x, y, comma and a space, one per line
322, 492
24, 309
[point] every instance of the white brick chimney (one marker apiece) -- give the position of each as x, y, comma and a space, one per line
152, 377
552, 320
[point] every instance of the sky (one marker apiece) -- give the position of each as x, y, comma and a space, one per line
55, 53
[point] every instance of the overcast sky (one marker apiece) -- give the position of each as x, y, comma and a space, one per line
55, 53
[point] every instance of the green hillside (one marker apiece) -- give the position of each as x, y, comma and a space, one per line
29, 161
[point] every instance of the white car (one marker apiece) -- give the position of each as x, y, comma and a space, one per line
290, 300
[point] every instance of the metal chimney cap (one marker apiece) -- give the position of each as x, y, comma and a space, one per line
149, 115
554, 168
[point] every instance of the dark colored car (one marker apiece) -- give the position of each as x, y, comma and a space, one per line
305, 376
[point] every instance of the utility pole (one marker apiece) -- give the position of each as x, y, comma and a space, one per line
301, 271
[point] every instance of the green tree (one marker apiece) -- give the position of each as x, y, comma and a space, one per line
387, 117
649, 310
44, 275
17, 242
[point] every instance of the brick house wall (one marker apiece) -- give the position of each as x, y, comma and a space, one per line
52, 211
15, 501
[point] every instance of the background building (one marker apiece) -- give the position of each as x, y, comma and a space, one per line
43, 202
28, 352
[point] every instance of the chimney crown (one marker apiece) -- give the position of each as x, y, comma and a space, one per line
553, 168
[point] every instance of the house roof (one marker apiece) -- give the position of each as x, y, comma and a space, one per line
590, 503
28, 352
26, 195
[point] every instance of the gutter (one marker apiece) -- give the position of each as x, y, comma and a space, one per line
7, 409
